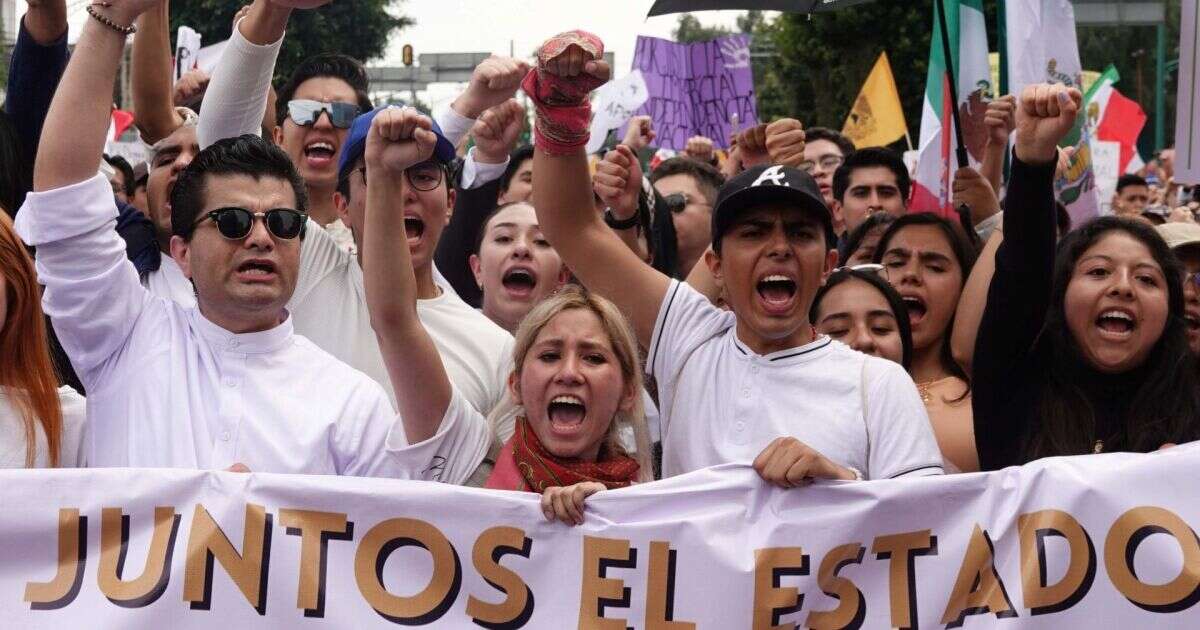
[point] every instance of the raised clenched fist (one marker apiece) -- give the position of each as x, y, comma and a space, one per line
497, 131
699, 148
640, 133
399, 138
785, 142
618, 181
1001, 119
752, 147
1045, 116
493, 82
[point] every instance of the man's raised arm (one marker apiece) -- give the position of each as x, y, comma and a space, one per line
570, 66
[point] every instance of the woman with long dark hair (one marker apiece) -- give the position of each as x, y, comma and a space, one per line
1083, 349
928, 260
858, 307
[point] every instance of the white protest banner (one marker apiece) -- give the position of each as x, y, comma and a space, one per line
1098, 541
187, 50
1187, 116
614, 104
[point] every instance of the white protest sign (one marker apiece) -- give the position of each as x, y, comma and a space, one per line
208, 56
614, 105
1106, 162
1187, 112
1082, 542
187, 49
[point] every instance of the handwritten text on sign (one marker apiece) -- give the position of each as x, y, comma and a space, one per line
695, 89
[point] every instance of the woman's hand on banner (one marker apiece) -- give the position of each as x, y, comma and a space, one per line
565, 503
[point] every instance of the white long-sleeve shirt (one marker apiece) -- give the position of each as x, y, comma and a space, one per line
237, 95
168, 388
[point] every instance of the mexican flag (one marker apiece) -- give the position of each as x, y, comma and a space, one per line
1115, 117
1042, 48
937, 162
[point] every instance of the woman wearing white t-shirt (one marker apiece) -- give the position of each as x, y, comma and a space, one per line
576, 379
40, 426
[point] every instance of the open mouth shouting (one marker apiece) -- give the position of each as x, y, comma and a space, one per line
777, 293
256, 270
566, 414
414, 228
520, 281
319, 154
916, 308
1116, 324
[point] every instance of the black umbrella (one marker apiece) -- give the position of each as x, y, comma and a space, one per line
662, 7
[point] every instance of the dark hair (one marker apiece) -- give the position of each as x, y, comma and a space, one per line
708, 179
488, 219
332, 65
964, 253
1164, 406
1062, 218
16, 176
244, 155
849, 246
1129, 179
895, 302
823, 133
867, 158
121, 164
521, 155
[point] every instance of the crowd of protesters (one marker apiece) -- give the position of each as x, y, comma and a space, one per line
297, 281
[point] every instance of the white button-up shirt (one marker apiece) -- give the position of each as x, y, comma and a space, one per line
168, 388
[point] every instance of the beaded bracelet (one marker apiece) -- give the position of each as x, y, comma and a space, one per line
124, 30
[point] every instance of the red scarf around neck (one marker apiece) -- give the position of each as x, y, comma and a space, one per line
539, 469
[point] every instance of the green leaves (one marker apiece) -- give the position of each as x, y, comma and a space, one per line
358, 28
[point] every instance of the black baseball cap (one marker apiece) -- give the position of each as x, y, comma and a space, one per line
771, 183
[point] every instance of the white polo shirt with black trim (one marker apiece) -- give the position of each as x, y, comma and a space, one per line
720, 402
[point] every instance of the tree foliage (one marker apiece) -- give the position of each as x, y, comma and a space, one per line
358, 28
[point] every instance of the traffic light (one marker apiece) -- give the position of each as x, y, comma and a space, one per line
406, 55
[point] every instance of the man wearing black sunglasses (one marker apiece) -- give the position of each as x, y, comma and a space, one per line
215, 386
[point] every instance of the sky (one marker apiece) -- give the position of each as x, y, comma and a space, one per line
498, 26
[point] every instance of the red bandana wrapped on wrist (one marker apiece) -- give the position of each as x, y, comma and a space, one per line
563, 110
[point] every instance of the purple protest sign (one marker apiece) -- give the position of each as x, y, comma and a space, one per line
695, 88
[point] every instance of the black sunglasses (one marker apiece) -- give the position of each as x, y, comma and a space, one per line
305, 113
236, 223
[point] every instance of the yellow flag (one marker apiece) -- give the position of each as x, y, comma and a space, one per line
877, 118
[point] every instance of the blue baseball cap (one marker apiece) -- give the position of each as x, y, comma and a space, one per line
356, 143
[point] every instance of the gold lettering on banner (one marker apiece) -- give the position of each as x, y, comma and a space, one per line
517, 607
902, 549
660, 590
852, 607
315, 530
600, 591
771, 600
72, 555
1042, 598
978, 589
114, 546
435, 599
248, 569
1120, 548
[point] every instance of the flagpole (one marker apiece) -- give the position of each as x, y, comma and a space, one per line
908, 138
963, 159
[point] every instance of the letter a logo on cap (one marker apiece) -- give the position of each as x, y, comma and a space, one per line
775, 175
